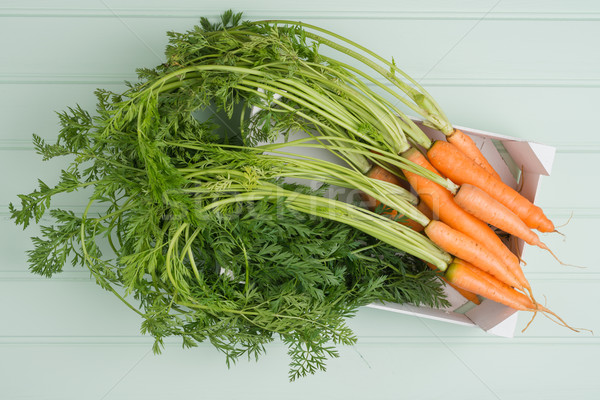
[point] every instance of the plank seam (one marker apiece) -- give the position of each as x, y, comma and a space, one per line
363, 14
362, 340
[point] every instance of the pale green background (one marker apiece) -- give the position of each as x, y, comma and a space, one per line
526, 69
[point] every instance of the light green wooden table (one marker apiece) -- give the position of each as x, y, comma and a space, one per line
526, 69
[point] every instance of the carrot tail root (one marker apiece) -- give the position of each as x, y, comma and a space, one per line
543, 246
530, 321
558, 320
530, 295
565, 224
552, 316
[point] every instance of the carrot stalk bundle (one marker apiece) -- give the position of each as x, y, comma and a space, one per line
462, 170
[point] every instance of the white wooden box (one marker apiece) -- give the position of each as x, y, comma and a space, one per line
534, 160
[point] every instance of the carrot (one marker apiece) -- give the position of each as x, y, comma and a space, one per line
441, 201
468, 277
468, 147
460, 169
462, 246
481, 205
421, 206
382, 174
472, 297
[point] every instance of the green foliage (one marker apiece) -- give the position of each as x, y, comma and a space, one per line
176, 240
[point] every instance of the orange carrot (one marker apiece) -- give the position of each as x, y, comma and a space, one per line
382, 174
472, 297
425, 209
481, 205
465, 144
460, 169
468, 277
462, 246
441, 201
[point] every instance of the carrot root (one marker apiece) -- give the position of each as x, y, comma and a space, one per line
560, 233
543, 246
550, 315
530, 321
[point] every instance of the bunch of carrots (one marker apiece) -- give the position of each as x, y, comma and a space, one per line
457, 221
460, 194
483, 264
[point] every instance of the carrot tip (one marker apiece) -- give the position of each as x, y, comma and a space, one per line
551, 315
530, 321
559, 232
557, 259
565, 224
